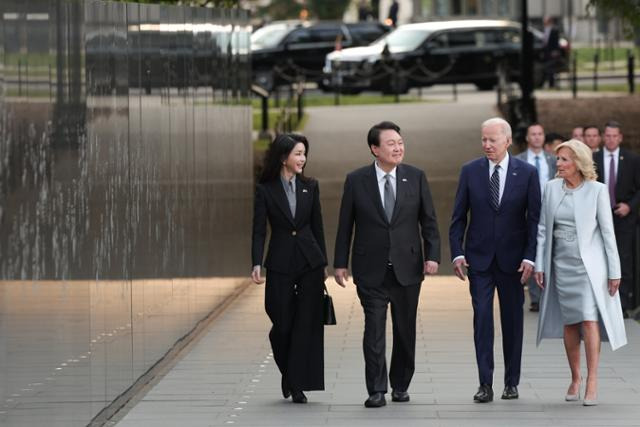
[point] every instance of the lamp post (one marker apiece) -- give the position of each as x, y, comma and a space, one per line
526, 70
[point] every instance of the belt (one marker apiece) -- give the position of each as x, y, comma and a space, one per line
569, 236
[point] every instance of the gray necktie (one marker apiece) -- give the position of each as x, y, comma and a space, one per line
389, 197
291, 197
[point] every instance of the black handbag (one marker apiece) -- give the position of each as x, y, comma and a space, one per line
328, 312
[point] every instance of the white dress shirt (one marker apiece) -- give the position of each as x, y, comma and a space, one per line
606, 159
543, 173
504, 164
380, 174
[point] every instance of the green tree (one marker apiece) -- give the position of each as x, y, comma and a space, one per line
627, 10
217, 3
282, 9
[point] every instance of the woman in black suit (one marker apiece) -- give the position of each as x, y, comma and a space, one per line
295, 264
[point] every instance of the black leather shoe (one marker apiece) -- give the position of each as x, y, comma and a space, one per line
399, 396
286, 392
534, 307
484, 394
510, 392
376, 400
298, 397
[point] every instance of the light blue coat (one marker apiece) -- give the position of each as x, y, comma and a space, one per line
597, 243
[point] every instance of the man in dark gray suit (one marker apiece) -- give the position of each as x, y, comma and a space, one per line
390, 205
545, 164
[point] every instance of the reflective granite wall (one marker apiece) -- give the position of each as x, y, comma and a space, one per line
125, 193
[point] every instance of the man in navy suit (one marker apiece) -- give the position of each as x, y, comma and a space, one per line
502, 195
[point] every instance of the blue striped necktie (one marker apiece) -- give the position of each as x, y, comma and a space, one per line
494, 188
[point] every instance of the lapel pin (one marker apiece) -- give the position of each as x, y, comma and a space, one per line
404, 179
304, 190
621, 158
514, 174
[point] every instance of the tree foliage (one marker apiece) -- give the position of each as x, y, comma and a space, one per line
328, 9
282, 9
627, 10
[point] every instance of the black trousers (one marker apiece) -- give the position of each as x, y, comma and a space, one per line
511, 295
293, 302
404, 306
625, 232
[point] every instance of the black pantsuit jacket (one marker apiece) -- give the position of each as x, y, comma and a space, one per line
376, 241
295, 278
290, 237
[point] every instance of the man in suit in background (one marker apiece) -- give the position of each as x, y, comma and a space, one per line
390, 205
545, 164
619, 170
551, 50
592, 137
500, 195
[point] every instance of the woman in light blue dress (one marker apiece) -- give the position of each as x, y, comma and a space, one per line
578, 267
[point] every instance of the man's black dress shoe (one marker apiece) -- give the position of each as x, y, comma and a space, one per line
286, 392
484, 394
376, 400
298, 397
534, 307
510, 392
399, 396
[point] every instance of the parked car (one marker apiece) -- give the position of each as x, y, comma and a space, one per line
282, 51
423, 54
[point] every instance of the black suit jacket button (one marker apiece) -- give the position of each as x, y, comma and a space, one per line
293, 233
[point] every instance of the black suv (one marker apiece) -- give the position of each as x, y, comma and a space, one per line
283, 51
423, 54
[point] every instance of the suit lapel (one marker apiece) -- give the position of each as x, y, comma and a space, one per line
401, 190
302, 199
622, 165
374, 190
484, 181
281, 198
510, 180
599, 160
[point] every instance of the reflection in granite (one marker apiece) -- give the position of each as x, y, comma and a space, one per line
125, 193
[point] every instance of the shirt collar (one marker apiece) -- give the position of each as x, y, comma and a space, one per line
532, 154
380, 173
285, 182
503, 164
615, 153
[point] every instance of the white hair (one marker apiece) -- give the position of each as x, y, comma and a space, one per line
506, 128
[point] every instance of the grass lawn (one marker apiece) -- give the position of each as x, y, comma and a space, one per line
320, 100
618, 55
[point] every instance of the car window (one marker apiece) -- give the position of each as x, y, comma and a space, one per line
365, 34
299, 35
324, 34
404, 39
461, 38
269, 36
438, 41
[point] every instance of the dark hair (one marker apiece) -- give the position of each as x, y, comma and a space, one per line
278, 151
373, 137
614, 125
535, 124
552, 136
584, 129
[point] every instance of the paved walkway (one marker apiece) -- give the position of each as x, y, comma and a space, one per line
229, 378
